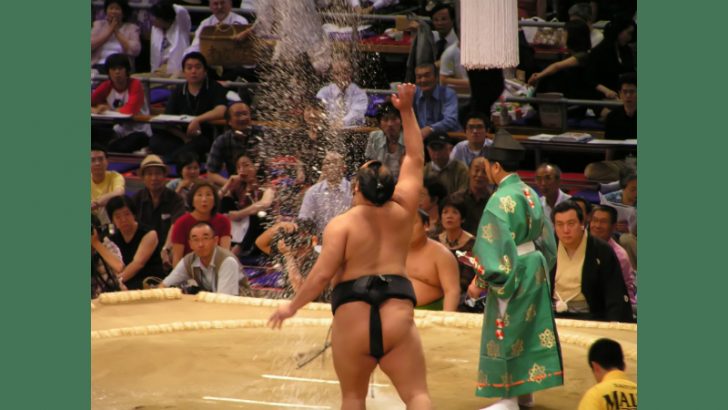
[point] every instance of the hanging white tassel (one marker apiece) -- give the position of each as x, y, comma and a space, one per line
488, 33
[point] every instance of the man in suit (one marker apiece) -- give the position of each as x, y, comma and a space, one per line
587, 278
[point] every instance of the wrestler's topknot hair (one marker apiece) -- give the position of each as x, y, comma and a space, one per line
376, 182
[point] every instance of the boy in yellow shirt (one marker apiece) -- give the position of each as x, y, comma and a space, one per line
613, 390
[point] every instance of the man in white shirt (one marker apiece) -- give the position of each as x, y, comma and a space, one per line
548, 182
170, 37
330, 196
345, 102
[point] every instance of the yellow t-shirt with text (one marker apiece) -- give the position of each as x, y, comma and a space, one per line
615, 392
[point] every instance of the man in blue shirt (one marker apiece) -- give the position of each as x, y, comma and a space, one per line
436, 107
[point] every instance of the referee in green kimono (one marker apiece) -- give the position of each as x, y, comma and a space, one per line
513, 253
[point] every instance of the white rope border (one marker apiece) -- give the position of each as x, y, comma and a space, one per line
200, 325
450, 319
423, 319
581, 341
127, 296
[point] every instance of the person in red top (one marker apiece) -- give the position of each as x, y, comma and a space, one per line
205, 203
124, 95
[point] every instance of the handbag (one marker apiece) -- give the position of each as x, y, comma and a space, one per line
218, 46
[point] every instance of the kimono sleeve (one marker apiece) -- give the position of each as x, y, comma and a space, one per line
496, 255
546, 243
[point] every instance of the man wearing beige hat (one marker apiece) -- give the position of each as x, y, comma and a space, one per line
157, 206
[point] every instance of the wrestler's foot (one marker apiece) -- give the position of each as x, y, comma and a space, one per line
526, 400
504, 404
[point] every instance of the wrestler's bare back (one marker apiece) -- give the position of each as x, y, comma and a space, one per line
376, 240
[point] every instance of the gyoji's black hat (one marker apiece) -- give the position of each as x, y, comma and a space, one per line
505, 148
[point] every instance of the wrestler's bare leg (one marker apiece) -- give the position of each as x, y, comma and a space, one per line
404, 362
354, 364
350, 349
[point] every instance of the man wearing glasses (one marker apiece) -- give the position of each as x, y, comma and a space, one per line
548, 183
214, 268
477, 139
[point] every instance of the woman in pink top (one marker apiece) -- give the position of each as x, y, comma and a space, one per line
205, 204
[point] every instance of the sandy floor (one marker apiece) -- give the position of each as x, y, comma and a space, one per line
205, 369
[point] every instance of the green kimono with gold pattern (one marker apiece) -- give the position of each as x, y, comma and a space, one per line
520, 351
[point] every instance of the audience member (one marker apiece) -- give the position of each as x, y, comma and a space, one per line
574, 79
613, 56
330, 196
586, 208
241, 138
583, 12
310, 140
436, 106
625, 197
453, 236
622, 122
125, 95
104, 184
476, 196
432, 193
548, 182
452, 73
205, 203
386, 144
199, 97
345, 102
588, 282
625, 200
452, 173
456, 240
602, 226
157, 206
476, 139
188, 168
114, 34
244, 198
443, 24
288, 179
170, 38
214, 268
613, 390
221, 14
432, 270
106, 261
138, 244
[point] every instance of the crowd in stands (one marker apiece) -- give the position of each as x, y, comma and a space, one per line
218, 212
